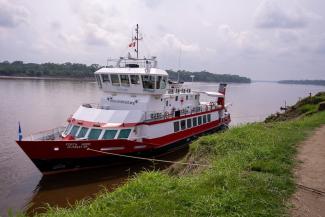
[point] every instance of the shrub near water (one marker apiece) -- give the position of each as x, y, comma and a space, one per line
250, 175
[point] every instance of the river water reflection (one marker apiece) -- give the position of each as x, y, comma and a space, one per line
44, 104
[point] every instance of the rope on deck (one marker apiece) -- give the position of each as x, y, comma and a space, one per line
148, 159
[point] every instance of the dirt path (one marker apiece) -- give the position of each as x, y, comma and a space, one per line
309, 200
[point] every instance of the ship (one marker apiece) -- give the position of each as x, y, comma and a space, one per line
141, 112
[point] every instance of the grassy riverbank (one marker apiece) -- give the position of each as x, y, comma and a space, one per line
250, 175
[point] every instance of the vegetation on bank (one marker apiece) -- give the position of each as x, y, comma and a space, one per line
303, 107
251, 174
76, 70
313, 82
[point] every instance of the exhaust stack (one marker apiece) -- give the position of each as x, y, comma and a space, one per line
222, 89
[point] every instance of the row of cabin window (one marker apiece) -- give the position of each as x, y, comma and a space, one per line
191, 122
186, 97
95, 133
148, 81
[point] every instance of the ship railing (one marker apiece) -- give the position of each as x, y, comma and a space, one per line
52, 134
95, 105
154, 116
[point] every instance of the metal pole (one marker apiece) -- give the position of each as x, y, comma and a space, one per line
137, 31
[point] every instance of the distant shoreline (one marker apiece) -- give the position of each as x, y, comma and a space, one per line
303, 82
47, 78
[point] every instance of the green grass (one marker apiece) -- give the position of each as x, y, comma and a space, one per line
251, 174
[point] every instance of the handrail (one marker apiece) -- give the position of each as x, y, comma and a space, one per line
45, 135
154, 116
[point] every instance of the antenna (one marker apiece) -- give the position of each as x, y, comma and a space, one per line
137, 39
179, 63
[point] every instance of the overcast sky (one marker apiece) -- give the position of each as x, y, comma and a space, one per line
261, 39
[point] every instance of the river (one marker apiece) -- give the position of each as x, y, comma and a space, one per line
44, 104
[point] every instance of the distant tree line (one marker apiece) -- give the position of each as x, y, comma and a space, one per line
72, 70
313, 82
77, 70
205, 76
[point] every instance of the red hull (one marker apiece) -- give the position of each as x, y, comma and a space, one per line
42, 151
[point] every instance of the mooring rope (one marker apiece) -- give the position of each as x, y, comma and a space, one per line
148, 159
313, 190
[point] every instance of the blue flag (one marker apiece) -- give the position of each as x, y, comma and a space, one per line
20, 135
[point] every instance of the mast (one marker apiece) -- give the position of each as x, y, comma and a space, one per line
137, 40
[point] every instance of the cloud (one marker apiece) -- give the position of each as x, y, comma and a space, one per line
235, 42
171, 41
11, 14
270, 14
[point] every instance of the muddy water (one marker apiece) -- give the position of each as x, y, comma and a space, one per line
44, 104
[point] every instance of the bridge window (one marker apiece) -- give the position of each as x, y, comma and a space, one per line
176, 126
158, 80
148, 81
163, 83
124, 134
67, 130
94, 133
189, 123
125, 80
115, 80
99, 82
105, 78
82, 132
135, 79
183, 125
109, 134
74, 130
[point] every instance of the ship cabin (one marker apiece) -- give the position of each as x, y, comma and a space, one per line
133, 76
135, 92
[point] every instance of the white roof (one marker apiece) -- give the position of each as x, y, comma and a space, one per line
111, 117
152, 71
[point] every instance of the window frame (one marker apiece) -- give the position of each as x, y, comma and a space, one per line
199, 120
137, 81
103, 137
183, 127
194, 120
209, 117
204, 119
124, 79
157, 81
163, 83
123, 130
176, 129
107, 79
81, 130
68, 129
75, 133
148, 81
94, 129
112, 79
99, 81
189, 123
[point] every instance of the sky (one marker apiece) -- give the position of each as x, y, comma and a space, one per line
260, 39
